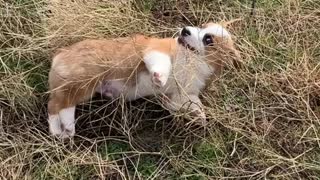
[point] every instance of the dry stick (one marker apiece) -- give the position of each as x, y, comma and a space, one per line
253, 6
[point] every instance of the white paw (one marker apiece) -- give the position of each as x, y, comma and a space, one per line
54, 125
64, 134
55, 132
198, 117
67, 122
57, 129
159, 79
164, 99
68, 131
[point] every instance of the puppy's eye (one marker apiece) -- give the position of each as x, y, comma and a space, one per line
207, 40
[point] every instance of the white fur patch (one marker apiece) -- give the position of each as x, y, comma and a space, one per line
67, 116
216, 30
54, 124
195, 39
142, 89
159, 66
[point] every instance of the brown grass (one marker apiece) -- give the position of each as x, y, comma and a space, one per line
264, 118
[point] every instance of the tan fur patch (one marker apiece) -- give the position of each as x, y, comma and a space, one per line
77, 70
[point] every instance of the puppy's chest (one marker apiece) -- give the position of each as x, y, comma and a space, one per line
186, 74
191, 72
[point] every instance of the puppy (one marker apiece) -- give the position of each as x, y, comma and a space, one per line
135, 67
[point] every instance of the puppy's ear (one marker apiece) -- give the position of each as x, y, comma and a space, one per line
235, 54
236, 58
225, 24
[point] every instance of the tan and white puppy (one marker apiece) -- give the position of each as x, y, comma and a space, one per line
135, 67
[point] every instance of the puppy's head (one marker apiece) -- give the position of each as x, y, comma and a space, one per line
211, 39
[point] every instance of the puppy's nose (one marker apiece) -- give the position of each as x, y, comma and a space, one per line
185, 32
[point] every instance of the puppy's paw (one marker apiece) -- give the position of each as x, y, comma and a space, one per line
55, 132
198, 118
68, 131
65, 134
165, 99
55, 128
159, 79
62, 132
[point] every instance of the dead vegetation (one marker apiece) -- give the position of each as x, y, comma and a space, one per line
264, 118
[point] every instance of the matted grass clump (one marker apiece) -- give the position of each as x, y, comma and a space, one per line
263, 118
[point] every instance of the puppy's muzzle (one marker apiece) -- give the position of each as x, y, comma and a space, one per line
185, 32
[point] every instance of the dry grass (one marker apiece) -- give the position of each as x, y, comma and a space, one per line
264, 118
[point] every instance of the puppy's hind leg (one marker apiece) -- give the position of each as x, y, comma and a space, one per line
55, 125
61, 116
54, 106
67, 116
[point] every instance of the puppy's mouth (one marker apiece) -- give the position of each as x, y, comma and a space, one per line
182, 42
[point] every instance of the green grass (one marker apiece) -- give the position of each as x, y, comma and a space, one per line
263, 118
147, 166
113, 150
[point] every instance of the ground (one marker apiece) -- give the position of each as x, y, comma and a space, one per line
263, 118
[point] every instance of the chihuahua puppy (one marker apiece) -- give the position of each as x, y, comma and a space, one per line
138, 66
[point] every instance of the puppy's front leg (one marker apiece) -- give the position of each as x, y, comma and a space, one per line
189, 104
159, 66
